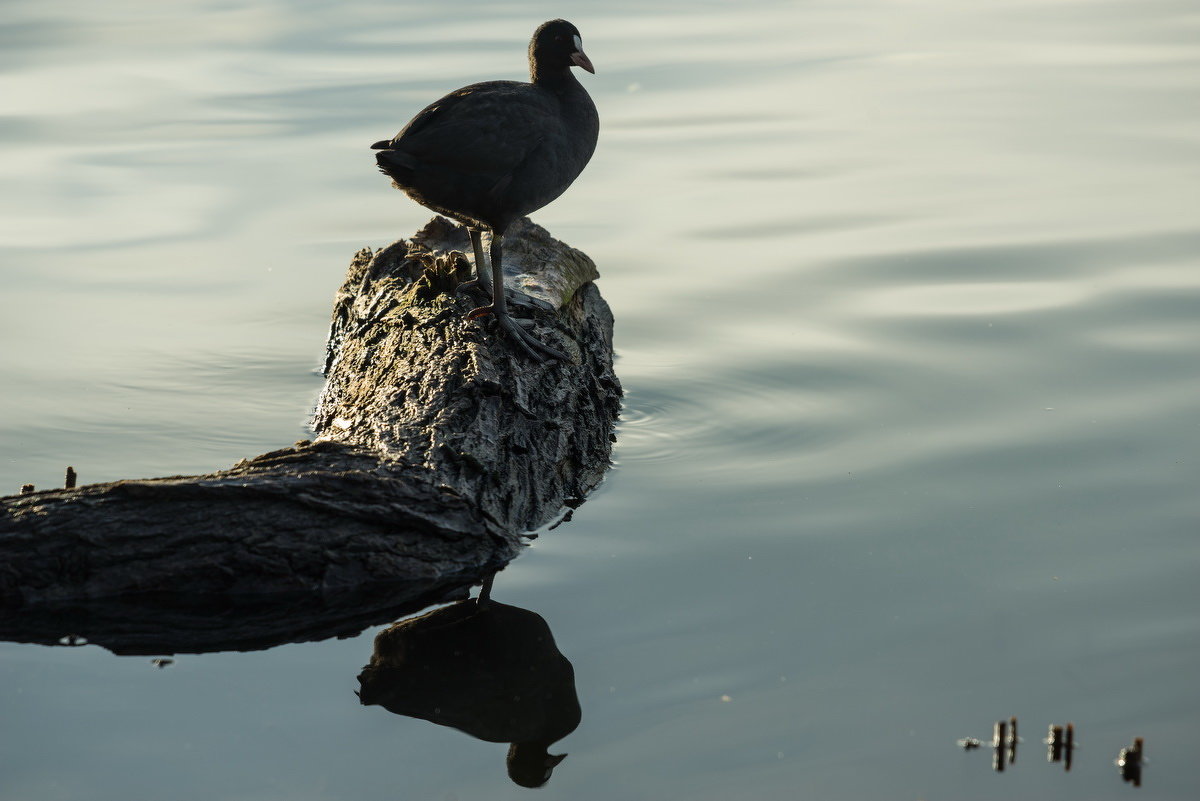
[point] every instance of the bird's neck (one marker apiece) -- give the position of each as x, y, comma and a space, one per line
558, 79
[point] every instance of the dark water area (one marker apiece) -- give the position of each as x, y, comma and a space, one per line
907, 303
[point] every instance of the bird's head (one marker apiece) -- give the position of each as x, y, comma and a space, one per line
556, 46
530, 764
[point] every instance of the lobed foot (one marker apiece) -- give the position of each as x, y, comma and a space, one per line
473, 284
537, 350
515, 298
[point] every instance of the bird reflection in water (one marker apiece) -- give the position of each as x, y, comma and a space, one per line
484, 668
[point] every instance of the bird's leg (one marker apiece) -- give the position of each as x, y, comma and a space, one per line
480, 280
499, 308
485, 591
481, 265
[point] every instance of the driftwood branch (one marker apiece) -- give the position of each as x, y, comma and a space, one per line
436, 446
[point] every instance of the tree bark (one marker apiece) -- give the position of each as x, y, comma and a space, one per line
437, 445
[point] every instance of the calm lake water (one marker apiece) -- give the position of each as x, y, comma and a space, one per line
908, 304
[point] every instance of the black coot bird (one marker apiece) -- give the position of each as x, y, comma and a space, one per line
490, 153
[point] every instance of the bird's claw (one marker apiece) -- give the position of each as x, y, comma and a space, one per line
474, 283
533, 347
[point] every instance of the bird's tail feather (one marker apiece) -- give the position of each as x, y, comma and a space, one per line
396, 163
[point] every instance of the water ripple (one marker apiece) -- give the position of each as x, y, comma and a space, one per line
738, 419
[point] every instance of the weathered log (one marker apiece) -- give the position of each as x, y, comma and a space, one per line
437, 445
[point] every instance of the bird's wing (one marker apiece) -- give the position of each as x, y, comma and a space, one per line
485, 129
